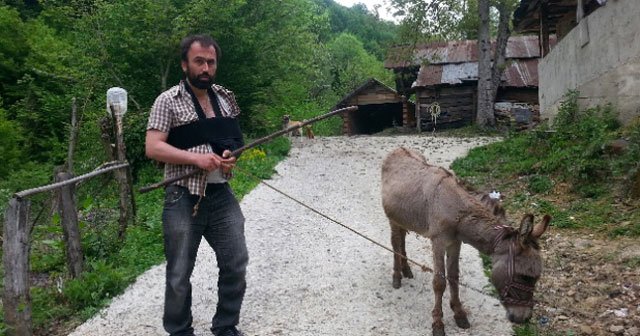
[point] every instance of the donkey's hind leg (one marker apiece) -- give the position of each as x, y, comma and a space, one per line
400, 265
453, 274
406, 270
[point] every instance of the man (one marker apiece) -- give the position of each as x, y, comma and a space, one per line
194, 125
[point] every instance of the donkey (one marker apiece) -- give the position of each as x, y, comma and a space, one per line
428, 200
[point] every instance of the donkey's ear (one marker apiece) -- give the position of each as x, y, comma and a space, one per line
541, 227
526, 225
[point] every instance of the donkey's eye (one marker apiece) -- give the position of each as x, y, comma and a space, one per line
528, 279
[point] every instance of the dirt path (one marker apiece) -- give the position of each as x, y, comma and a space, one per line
309, 276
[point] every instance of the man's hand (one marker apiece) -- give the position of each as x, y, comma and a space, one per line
208, 162
227, 163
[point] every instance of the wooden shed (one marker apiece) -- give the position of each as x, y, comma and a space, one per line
446, 83
379, 107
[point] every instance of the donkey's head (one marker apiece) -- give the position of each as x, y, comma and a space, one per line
517, 266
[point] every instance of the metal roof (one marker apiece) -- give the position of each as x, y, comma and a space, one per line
453, 52
518, 73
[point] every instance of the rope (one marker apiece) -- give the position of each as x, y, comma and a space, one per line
434, 110
423, 267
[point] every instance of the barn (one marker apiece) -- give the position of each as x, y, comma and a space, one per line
444, 76
379, 107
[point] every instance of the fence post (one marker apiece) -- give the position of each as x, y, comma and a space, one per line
69, 221
117, 107
16, 246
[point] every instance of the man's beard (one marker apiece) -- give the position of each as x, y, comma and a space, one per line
202, 81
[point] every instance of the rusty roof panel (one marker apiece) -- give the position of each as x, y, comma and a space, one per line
519, 73
429, 75
518, 47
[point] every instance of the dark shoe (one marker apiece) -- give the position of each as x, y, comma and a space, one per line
227, 331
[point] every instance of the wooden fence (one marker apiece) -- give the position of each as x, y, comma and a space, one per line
17, 243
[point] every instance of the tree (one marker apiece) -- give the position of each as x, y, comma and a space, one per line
352, 65
453, 19
489, 73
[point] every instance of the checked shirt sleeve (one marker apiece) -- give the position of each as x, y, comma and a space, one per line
160, 115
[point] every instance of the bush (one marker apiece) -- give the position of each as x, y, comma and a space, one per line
572, 153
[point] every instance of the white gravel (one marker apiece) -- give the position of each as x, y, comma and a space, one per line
309, 276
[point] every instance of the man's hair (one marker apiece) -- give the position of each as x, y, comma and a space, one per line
204, 40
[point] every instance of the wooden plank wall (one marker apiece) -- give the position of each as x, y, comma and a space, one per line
457, 105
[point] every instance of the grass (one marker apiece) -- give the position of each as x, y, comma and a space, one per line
567, 171
111, 265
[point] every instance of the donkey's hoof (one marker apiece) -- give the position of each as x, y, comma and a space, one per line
396, 282
437, 330
406, 272
462, 322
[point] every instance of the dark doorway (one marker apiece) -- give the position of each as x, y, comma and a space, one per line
370, 119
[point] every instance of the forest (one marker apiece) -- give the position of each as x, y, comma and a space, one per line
294, 57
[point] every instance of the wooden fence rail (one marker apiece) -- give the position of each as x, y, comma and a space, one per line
17, 244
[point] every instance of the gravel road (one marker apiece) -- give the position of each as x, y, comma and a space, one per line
308, 276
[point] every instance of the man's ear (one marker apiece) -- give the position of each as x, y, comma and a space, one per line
184, 66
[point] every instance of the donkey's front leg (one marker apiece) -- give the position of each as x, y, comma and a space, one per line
453, 274
439, 286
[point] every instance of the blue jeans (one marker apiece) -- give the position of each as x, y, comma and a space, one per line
220, 221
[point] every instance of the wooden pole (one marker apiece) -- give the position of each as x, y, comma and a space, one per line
69, 221
28, 192
73, 135
124, 184
15, 258
544, 31
251, 145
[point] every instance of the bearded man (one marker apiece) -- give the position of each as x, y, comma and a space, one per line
194, 125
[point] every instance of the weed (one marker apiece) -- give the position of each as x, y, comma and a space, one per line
572, 153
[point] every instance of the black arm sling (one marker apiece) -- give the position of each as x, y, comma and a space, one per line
220, 132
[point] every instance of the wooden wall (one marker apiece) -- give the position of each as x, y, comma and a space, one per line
457, 105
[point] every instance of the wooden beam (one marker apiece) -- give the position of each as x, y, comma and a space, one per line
544, 31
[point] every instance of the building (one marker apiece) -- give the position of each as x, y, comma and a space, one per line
379, 107
597, 52
444, 76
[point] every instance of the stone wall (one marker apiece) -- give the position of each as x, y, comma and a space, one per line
600, 58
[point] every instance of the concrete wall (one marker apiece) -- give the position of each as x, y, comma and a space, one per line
600, 58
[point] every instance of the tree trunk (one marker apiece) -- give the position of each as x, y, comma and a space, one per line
485, 117
490, 73
499, 55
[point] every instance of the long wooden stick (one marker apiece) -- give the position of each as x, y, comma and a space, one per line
251, 145
28, 192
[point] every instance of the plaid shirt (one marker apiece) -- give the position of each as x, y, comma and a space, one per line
173, 108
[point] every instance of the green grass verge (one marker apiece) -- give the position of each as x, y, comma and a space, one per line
569, 171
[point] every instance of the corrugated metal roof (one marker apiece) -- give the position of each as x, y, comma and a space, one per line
518, 47
518, 73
